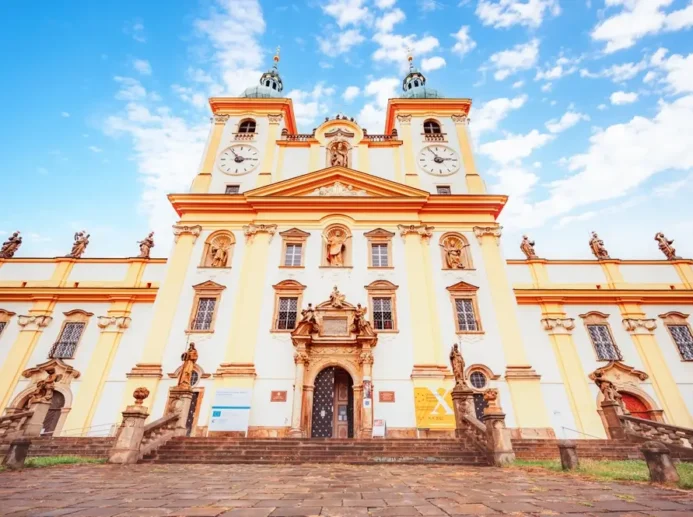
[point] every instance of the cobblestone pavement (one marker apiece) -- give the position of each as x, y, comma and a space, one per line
331, 490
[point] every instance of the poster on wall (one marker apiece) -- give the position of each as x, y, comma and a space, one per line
231, 410
433, 408
367, 392
379, 428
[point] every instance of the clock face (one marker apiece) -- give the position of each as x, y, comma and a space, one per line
239, 159
439, 160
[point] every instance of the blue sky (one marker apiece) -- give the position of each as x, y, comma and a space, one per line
583, 109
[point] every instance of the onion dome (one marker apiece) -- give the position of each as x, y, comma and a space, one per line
414, 84
271, 84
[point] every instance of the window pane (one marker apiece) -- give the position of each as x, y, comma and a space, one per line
65, 347
379, 255
603, 344
247, 126
233, 189
293, 255
683, 339
286, 316
382, 314
205, 312
478, 380
443, 189
466, 319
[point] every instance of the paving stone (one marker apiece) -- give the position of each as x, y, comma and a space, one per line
340, 511
300, 511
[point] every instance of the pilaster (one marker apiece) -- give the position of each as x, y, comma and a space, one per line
63, 268
475, 185
364, 160
202, 181
537, 268
265, 175
685, 272
612, 272
411, 177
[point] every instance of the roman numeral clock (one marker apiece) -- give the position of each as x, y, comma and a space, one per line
439, 160
239, 159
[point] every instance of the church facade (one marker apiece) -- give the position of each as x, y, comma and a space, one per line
326, 277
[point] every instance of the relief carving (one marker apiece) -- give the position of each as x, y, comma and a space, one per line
219, 250
424, 231
404, 119
338, 153
640, 325
182, 229
559, 325
10, 246
221, 119
253, 229
494, 231
45, 388
338, 190
454, 252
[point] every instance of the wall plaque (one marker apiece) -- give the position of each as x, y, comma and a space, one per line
335, 327
386, 396
278, 396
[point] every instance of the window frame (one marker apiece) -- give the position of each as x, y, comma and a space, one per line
380, 236
247, 121
448, 193
206, 289
236, 185
432, 121
465, 291
383, 289
675, 318
293, 236
74, 316
594, 318
5, 317
286, 289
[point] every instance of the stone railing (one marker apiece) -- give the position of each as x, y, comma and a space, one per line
299, 137
13, 426
158, 433
244, 136
435, 137
380, 138
476, 430
650, 430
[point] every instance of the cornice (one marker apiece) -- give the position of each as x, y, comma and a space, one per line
598, 296
438, 106
594, 262
234, 105
79, 294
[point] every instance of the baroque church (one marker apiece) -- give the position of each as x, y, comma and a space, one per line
317, 283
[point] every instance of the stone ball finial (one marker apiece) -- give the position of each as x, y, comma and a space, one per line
140, 394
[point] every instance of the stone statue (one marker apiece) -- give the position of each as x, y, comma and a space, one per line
339, 154
80, 245
10, 246
527, 248
457, 363
146, 245
220, 255
45, 388
665, 246
361, 325
309, 322
454, 249
597, 247
189, 359
608, 389
336, 247
337, 298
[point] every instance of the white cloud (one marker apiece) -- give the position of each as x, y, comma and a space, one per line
568, 120
308, 105
346, 12
518, 84
385, 4
649, 77
622, 97
638, 18
563, 66
514, 147
388, 20
393, 47
142, 66
489, 115
340, 43
95, 149
196, 98
135, 29
678, 71
130, 89
464, 42
602, 107
520, 57
432, 63
546, 87
351, 93
618, 73
506, 13
517, 183
64, 114
429, 5
372, 115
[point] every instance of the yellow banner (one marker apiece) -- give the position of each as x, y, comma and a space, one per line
434, 408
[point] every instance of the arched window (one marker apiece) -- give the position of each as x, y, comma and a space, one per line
218, 249
431, 127
416, 83
267, 83
247, 126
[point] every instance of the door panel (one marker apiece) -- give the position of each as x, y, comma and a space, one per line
323, 404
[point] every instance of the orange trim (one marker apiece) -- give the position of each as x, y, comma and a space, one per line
79, 294
237, 105
102, 260
595, 296
386, 143
438, 106
593, 262
298, 143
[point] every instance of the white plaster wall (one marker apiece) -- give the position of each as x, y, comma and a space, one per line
92, 272
649, 273
519, 274
540, 353
11, 332
401, 412
24, 271
560, 414
576, 274
296, 160
154, 273
381, 162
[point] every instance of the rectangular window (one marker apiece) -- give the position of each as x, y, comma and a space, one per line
233, 189
379, 255
204, 314
466, 319
444, 190
603, 343
293, 255
65, 347
382, 314
683, 339
286, 316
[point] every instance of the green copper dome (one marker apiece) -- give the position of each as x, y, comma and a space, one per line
270, 86
414, 85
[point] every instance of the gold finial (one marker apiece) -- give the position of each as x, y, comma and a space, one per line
410, 55
276, 55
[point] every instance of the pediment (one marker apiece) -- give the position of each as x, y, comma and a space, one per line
462, 286
340, 182
294, 233
209, 286
619, 373
40, 371
379, 233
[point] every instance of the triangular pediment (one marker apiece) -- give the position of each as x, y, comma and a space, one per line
339, 182
462, 286
209, 285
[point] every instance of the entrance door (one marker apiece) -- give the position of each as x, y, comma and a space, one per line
54, 412
635, 406
191, 413
333, 405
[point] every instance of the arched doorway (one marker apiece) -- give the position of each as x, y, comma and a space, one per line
333, 404
50, 422
636, 406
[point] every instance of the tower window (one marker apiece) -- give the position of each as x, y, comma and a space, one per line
232, 189
416, 83
247, 126
443, 190
431, 127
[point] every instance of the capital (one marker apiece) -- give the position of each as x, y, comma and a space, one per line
491, 231
404, 119
366, 358
113, 323
422, 230
183, 229
460, 119
558, 325
253, 229
275, 118
640, 325
221, 119
34, 322
301, 358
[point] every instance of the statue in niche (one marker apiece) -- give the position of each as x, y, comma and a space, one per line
361, 326
189, 359
309, 322
10, 246
527, 248
336, 247
454, 252
337, 298
339, 154
45, 388
665, 246
608, 389
146, 245
80, 245
218, 254
597, 247
457, 363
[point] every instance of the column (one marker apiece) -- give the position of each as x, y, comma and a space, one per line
523, 381
301, 359
411, 177
265, 176
537, 268
475, 185
582, 403
112, 327
238, 368
641, 330
31, 330
202, 181
366, 361
147, 372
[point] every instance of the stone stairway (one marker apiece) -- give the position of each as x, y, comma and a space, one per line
68, 446
289, 450
528, 449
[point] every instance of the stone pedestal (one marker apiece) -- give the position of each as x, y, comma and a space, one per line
180, 400
614, 427
129, 437
568, 452
498, 438
16, 454
35, 424
462, 398
662, 469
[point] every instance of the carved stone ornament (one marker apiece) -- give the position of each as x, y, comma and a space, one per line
10, 246
301, 357
559, 325
404, 119
275, 118
221, 119
335, 239
597, 247
189, 358
619, 373
640, 325
80, 245
253, 229
457, 364
183, 229
527, 248
114, 323
146, 245
140, 394
338, 154
482, 231
33, 322
491, 399
424, 231
365, 358
43, 392
460, 119
338, 190
665, 246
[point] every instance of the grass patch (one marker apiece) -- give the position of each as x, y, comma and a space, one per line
626, 470
51, 461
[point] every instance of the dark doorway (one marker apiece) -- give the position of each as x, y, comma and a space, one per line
54, 412
333, 404
190, 421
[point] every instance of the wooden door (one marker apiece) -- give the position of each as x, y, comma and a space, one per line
635, 406
190, 421
54, 412
341, 404
322, 423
